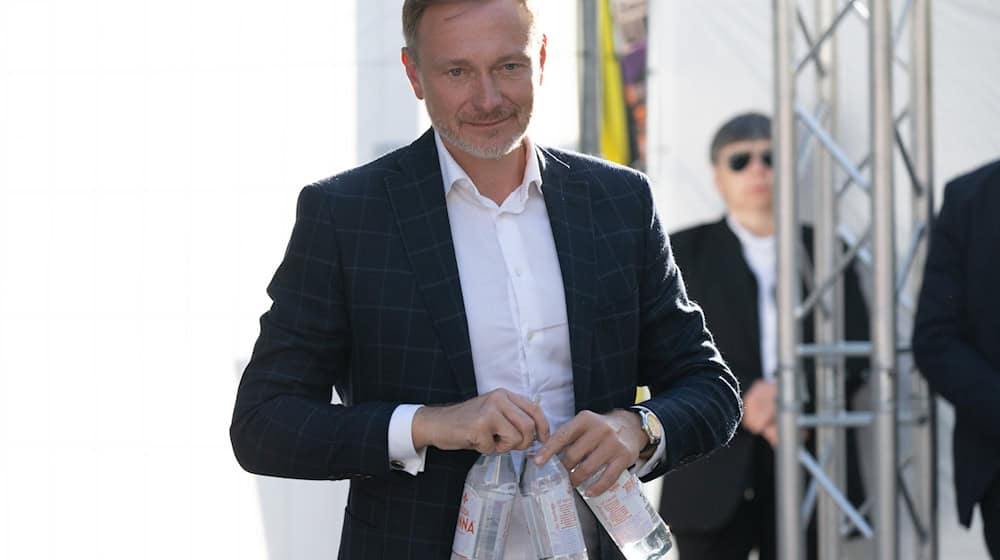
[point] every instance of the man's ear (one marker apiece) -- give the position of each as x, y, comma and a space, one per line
541, 59
718, 181
412, 73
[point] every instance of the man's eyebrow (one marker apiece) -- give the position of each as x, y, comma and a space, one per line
466, 62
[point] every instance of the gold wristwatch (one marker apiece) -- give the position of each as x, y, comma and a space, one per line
651, 425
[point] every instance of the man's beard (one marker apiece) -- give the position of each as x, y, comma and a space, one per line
494, 151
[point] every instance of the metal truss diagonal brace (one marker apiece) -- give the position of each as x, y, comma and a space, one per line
815, 47
813, 50
832, 147
814, 297
817, 472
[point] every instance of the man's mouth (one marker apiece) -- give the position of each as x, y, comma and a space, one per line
488, 123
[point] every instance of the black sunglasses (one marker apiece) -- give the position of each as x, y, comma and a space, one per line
740, 160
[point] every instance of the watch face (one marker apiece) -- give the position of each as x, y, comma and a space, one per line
655, 429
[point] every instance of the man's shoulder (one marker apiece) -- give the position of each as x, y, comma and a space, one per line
696, 235
413, 162
361, 179
975, 185
583, 167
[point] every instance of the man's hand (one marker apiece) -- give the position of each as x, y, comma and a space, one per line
590, 441
770, 433
492, 423
760, 406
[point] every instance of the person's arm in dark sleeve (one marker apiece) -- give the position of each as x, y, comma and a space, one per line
283, 423
695, 396
856, 328
952, 366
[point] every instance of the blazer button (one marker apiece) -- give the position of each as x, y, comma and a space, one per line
748, 494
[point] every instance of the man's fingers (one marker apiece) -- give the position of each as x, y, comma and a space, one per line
534, 411
522, 424
563, 437
607, 479
503, 443
770, 433
593, 458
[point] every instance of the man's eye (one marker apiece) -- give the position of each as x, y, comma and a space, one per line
511, 66
455, 72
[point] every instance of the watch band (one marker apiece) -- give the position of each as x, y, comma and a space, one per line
653, 439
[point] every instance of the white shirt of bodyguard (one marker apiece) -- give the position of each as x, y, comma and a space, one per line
762, 257
514, 302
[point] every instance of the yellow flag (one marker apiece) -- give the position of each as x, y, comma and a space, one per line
642, 394
614, 139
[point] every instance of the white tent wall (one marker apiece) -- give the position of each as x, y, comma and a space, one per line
711, 60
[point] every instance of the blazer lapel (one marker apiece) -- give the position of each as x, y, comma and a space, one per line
568, 204
741, 290
418, 202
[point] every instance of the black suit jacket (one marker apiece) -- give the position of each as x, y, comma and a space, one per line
704, 495
367, 301
956, 336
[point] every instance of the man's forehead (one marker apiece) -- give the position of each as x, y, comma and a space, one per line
448, 12
446, 34
750, 143
455, 11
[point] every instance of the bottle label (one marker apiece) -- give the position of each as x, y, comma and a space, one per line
561, 521
470, 515
491, 509
622, 510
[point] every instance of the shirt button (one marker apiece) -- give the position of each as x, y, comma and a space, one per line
531, 336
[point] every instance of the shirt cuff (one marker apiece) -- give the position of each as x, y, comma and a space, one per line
402, 455
643, 467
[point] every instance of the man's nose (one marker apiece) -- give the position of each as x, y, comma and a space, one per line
757, 164
488, 96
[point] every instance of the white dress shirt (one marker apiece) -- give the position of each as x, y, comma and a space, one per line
760, 253
515, 306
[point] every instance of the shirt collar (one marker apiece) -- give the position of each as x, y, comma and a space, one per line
452, 172
747, 239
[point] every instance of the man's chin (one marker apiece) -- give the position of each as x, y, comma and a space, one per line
495, 150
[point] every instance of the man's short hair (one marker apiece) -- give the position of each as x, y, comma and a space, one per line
747, 126
413, 10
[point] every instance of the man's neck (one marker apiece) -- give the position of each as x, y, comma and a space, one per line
758, 223
494, 178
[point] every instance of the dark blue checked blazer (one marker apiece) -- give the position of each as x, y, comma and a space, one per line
956, 333
367, 301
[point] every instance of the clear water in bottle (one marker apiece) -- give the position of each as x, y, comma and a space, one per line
626, 514
484, 514
550, 510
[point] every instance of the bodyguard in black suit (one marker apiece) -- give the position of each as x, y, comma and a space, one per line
722, 507
371, 301
956, 337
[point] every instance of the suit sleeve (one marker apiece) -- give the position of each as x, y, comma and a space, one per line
952, 366
284, 423
856, 327
696, 396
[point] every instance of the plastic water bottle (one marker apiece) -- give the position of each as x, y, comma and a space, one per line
629, 518
550, 509
484, 514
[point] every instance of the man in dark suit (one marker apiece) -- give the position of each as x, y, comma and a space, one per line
956, 337
722, 507
467, 294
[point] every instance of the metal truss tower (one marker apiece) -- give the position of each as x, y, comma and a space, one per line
896, 181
